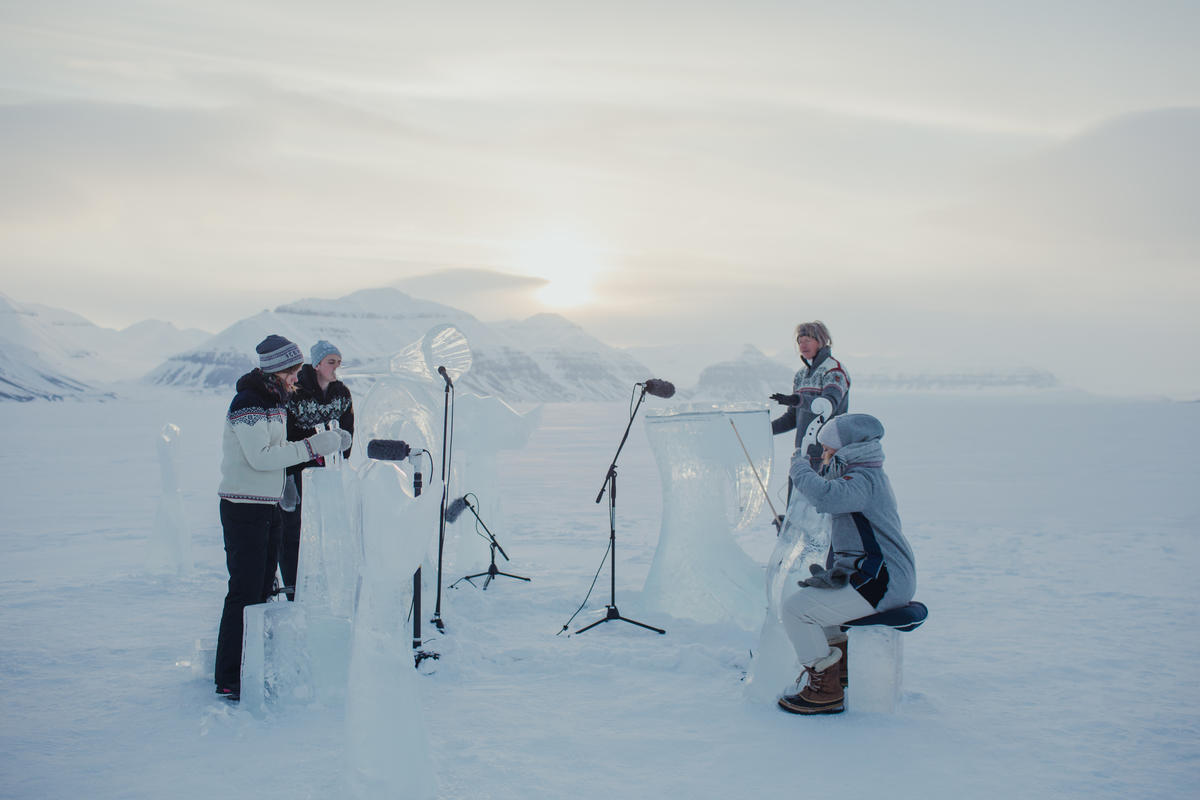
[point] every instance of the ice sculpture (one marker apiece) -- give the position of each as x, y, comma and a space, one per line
330, 550
875, 668
300, 652
387, 750
171, 545
803, 541
410, 405
709, 490
275, 656
483, 427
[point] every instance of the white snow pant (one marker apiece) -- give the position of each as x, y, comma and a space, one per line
811, 616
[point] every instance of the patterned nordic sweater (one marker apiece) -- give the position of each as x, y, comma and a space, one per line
824, 377
254, 447
309, 408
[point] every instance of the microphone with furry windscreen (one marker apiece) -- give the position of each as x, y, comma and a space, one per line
455, 509
388, 450
397, 450
659, 388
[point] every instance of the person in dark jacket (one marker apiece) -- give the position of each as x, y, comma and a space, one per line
319, 398
870, 566
822, 387
255, 453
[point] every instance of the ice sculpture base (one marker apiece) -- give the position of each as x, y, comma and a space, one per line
876, 664
292, 656
774, 664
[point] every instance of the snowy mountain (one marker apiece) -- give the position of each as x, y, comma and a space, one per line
751, 376
545, 357
52, 353
755, 376
26, 376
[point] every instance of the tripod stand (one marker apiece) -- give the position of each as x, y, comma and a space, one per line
492, 571
610, 483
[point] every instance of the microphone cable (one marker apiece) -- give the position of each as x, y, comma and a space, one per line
478, 532
586, 597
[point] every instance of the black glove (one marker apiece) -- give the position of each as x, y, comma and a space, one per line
786, 399
815, 451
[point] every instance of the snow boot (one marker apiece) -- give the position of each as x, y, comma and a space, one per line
230, 693
823, 694
843, 645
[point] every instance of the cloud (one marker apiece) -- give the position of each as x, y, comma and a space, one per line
1131, 183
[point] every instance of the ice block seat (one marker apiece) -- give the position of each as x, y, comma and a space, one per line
875, 661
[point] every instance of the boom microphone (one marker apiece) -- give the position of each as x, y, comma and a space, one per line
446, 376
397, 450
455, 509
388, 450
659, 388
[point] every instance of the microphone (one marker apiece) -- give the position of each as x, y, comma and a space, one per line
456, 508
397, 450
388, 450
659, 388
446, 376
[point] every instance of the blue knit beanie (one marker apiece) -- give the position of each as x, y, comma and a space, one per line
276, 354
321, 349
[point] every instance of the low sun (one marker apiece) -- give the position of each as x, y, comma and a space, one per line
567, 262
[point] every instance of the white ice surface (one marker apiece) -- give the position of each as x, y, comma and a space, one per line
1059, 660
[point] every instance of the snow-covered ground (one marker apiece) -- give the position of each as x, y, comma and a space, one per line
1055, 541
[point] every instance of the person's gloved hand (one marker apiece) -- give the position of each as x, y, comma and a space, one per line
835, 577
786, 399
347, 439
326, 443
822, 407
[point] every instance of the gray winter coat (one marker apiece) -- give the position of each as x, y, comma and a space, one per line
868, 549
824, 377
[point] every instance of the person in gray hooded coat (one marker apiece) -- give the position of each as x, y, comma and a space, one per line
870, 566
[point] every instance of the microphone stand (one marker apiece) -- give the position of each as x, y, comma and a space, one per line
610, 483
437, 609
492, 571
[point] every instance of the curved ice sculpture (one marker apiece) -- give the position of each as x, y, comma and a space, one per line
803, 541
709, 490
387, 749
442, 346
171, 545
409, 405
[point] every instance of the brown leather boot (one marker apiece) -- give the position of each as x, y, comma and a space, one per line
823, 694
842, 644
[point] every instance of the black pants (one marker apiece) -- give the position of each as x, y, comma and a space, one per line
252, 535
289, 550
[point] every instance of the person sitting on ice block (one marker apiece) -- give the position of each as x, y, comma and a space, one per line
870, 566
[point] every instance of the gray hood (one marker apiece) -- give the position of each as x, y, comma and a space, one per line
856, 439
849, 429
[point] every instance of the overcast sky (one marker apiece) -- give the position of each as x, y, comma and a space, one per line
949, 183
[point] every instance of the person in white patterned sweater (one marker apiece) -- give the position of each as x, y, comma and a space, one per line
255, 455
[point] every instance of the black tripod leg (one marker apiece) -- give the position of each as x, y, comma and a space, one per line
641, 624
